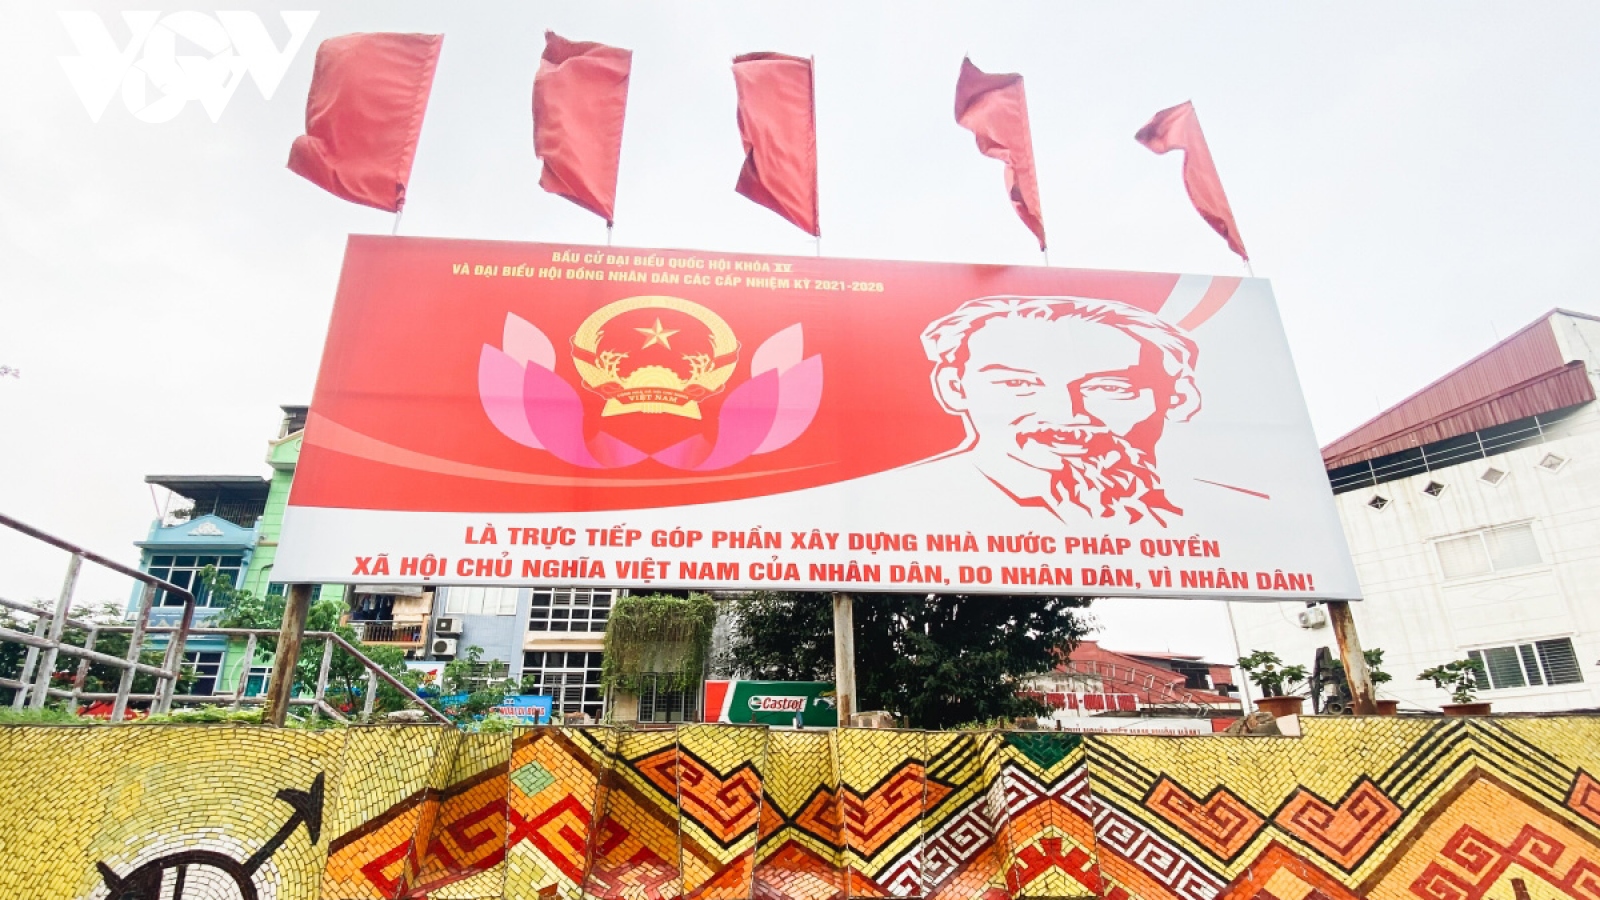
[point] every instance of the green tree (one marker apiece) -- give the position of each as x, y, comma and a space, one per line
937, 660
347, 677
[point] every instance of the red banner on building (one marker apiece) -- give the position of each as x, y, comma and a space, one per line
535, 414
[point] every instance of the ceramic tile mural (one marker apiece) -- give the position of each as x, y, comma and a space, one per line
1507, 809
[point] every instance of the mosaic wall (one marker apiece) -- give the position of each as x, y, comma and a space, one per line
1439, 810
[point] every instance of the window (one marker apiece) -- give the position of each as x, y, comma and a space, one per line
184, 571
277, 589
658, 703
206, 667
1527, 665
480, 601
1552, 462
1433, 489
1378, 502
256, 682
571, 678
1492, 476
1490, 550
570, 609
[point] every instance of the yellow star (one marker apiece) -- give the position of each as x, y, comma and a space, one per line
657, 335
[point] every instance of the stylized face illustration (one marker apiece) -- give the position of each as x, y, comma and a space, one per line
1044, 391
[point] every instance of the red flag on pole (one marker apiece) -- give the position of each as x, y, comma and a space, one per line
778, 124
364, 115
1178, 128
994, 108
580, 96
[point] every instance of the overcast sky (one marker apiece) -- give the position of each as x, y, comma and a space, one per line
1416, 178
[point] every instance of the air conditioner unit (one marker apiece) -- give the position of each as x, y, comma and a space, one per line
1313, 617
444, 647
447, 625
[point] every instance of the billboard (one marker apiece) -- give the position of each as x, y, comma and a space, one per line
505, 413
808, 704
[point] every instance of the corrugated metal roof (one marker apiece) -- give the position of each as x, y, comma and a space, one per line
1523, 375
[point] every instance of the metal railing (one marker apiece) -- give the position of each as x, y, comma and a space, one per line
318, 701
47, 642
1446, 453
390, 632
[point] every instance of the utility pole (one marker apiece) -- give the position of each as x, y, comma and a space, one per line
1356, 673
844, 655
291, 634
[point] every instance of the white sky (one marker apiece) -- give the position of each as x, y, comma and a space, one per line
1416, 178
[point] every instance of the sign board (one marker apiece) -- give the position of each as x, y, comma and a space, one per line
527, 709
772, 703
536, 414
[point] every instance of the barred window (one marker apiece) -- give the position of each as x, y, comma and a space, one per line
570, 609
659, 703
570, 678
1532, 664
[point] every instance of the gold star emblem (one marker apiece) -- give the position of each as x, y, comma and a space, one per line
657, 335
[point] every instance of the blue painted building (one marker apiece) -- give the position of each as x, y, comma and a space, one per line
211, 520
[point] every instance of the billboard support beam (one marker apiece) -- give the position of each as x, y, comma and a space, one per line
291, 634
844, 655
1357, 675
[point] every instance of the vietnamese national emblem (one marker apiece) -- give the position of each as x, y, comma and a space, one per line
660, 355
654, 355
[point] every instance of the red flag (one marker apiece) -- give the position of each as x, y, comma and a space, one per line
994, 108
364, 114
579, 97
778, 124
1178, 128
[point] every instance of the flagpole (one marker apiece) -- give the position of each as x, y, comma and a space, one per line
1248, 267
608, 234
396, 230
1046, 252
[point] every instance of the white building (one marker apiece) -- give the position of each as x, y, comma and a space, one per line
1472, 509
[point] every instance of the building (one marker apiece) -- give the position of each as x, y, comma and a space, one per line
1472, 510
211, 520
1097, 689
232, 522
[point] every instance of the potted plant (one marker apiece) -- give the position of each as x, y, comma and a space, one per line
1460, 678
1374, 658
1274, 678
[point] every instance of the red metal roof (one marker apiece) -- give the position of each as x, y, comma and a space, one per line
1523, 375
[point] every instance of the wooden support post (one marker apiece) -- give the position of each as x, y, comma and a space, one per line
844, 655
58, 624
291, 634
1357, 675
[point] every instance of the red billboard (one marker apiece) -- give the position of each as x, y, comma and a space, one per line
491, 412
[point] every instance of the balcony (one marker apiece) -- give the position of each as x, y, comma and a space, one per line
402, 634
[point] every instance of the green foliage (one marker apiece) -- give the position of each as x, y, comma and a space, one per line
933, 660
658, 634
1460, 678
1374, 658
465, 675
1270, 674
347, 677
50, 715
208, 714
